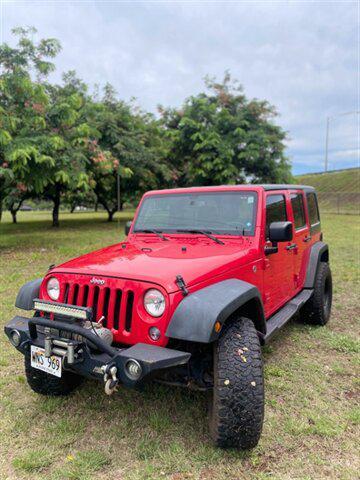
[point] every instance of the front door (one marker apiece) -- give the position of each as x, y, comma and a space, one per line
278, 273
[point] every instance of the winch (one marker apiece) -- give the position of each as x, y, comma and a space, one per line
97, 329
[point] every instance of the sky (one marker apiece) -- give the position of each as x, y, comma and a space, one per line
301, 56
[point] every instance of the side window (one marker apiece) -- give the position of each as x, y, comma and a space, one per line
297, 204
275, 210
313, 208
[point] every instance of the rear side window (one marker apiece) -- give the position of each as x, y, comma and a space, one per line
275, 210
313, 208
297, 204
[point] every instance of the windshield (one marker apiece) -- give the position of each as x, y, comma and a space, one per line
228, 213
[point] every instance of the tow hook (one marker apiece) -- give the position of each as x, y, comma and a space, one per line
110, 379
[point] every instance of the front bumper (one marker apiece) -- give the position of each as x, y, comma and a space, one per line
91, 356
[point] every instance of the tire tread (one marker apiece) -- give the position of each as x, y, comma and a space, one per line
238, 400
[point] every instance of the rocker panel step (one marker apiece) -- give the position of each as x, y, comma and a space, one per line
281, 317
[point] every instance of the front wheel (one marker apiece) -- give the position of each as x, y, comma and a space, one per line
237, 404
46, 384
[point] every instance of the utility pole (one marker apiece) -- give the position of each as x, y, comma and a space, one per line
327, 143
356, 112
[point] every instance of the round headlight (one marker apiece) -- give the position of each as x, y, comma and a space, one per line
154, 302
53, 288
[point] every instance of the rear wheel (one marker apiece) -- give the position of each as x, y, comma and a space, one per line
317, 310
45, 384
237, 404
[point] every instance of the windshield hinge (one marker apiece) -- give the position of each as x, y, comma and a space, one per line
180, 282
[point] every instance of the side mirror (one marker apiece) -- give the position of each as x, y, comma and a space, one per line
127, 228
280, 232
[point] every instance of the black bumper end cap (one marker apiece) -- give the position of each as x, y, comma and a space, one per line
154, 357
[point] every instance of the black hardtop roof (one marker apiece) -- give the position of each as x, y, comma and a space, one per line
276, 186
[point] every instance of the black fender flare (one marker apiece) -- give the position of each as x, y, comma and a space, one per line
195, 317
27, 293
319, 253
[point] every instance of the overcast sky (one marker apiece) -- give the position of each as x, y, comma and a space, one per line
301, 56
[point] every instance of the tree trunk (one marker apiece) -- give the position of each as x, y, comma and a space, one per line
96, 206
14, 208
55, 214
72, 209
13, 214
110, 215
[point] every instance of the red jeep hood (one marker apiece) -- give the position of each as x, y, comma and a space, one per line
159, 262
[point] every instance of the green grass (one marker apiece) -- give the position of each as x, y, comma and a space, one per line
311, 426
32, 461
81, 466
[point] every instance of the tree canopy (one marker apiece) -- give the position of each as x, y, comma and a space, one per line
60, 142
221, 137
23, 107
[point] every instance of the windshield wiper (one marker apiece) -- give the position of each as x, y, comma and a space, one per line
203, 232
150, 230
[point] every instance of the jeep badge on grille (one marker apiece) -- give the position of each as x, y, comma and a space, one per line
97, 281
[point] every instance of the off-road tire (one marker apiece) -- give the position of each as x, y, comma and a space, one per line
237, 403
45, 384
317, 309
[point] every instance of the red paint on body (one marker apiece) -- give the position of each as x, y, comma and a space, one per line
113, 280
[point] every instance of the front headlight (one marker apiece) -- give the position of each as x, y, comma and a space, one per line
154, 302
53, 288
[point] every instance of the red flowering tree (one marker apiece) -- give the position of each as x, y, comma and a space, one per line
23, 108
129, 149
67, 140
105, 169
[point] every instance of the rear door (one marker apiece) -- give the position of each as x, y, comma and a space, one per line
301, 240
314, 217
278, 273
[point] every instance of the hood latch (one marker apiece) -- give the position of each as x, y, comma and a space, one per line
180, 282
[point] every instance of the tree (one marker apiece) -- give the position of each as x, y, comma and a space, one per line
221, 137
23, 109
68, 136
6, 179
80, 198
15, 199
129, 144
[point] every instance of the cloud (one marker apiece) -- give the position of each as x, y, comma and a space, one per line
302, 57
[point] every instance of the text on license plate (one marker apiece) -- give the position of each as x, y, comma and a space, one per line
50, 365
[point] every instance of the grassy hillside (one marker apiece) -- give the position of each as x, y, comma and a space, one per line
337, 181
338, 191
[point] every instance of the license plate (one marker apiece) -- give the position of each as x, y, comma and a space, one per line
50, 365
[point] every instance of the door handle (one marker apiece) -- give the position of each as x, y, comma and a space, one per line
291, 247
307, 239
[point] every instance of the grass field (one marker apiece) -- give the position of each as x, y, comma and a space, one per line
312, 386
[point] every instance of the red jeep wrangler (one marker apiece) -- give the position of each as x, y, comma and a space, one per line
205, 277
